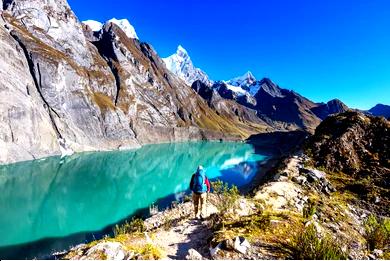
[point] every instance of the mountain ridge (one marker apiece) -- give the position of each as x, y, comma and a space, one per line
105, 90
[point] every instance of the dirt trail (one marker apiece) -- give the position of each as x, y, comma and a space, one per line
185, 234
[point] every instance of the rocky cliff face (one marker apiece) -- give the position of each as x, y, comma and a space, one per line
67, 88
26, 128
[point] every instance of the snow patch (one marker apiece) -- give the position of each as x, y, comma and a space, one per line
94, 25
126, 27
238, 90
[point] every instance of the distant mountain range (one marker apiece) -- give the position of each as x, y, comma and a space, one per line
380, 110
69, 86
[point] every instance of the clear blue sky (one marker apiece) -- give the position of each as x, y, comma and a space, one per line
321, 49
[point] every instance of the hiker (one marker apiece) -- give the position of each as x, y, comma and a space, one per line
199, 186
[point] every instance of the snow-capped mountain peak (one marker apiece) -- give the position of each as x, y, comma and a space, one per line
125, 25
181, 65
181, 51
243, 81
94, 25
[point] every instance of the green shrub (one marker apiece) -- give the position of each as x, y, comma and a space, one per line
377, 232
227, 197
136, 225
309, 245
148, 252
309, 209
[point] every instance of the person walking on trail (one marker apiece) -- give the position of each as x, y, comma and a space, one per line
199, 186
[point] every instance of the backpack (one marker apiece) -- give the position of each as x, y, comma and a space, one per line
198, 183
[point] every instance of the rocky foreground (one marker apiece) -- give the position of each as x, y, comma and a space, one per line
300, 211
264, 225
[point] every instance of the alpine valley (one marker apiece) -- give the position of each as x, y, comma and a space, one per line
68, 86
313, 178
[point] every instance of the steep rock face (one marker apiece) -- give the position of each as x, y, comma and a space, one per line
181, 65
26, 130
380, 110
78, 97
55, 22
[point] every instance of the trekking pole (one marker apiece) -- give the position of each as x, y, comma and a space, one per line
207, 200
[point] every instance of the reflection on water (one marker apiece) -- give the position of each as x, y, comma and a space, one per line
55, 198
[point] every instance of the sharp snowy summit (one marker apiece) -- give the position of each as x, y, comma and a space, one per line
124, 24
243, 81
181, 65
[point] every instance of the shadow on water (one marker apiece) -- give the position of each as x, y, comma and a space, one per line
279, 142
95, 190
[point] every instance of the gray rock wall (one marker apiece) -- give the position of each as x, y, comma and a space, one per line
26, 131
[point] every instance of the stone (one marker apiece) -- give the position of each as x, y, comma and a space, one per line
193, 255
284, 174
280, 177
312, 174
214, 250
228, 244
112, 251
378, 252
241, 245
331, 188
301, 180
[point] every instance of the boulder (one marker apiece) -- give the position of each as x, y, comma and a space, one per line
312, 174
301, 180
241, 245
193, 255
109, 250
378, 252
214, 250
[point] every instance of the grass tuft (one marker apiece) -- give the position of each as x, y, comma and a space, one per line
309, 245
377, 232
136, 225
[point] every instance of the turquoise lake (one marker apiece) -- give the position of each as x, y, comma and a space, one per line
51, 204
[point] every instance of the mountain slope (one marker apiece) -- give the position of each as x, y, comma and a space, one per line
331, 107
280, 108
354, 148
380, 110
